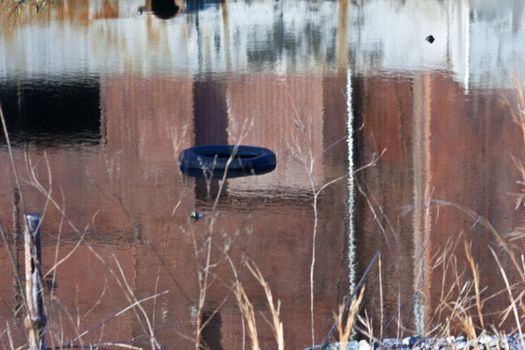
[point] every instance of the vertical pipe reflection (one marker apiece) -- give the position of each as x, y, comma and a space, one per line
351, 189
422, 197
342, 35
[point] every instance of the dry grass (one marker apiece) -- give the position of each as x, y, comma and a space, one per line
277, 324
511, 298
462, 301
345, 322
475, 274
248, 313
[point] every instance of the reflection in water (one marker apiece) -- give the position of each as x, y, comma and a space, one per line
164, 9
200, 5
295, 78
468, 39
101, 37
211, 112
211, 333
52, 111
351, 183
135, 205
422, 188
451, 156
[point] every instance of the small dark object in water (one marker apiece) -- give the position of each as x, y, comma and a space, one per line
142, 9
430, 39
164, 9
196, 215
215, 160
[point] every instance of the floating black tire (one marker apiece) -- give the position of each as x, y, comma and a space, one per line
213, 161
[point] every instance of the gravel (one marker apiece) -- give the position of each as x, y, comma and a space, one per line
483, 342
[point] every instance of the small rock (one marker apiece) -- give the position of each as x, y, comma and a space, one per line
363, 345
460, 345
353, 345
441, 343
486, 340
430, 38
413, 340
391, 343
196, 215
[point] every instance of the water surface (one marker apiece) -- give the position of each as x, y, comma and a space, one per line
414, 138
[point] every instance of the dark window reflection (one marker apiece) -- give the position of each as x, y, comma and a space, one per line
211, 112
211, 332
52, 112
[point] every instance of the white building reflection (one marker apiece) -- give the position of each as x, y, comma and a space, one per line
481, 44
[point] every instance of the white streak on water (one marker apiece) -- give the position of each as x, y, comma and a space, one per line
351, 189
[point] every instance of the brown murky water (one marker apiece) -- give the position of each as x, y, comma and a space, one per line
100, 97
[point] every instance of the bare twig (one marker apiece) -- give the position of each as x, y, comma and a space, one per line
117, 314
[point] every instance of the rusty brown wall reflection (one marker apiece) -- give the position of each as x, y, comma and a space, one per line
128, 201
431, 122
446, 158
